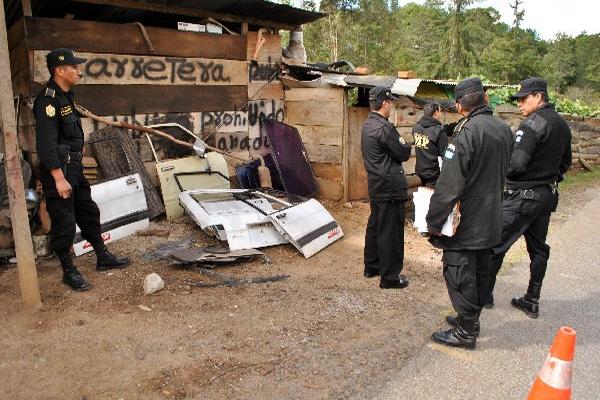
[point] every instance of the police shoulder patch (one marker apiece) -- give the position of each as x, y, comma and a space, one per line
518, 136
535, 122
50, 92
50, 110
401, 139
449, 154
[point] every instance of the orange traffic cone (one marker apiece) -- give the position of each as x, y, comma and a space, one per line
554, 380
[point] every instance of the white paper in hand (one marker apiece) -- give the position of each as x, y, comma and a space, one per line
421, 198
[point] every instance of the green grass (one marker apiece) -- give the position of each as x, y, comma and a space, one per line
580, 178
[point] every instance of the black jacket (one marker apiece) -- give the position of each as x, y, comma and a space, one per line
542, 150
58, 133
473, 174
383, 152
431, 141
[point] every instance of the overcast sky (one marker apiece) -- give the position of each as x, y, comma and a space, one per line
547, 17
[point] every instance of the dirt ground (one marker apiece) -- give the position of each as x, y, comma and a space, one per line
324, 333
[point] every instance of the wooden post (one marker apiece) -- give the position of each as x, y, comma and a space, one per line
27, 8
30, 291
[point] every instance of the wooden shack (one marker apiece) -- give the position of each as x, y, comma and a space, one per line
330, 125
141, 68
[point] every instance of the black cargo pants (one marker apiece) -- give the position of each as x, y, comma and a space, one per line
384, 238
466, 273
526, 212
78, 209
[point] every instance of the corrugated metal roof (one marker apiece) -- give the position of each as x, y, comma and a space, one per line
278, 15
398, 86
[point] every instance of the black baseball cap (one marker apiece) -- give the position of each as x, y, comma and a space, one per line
531, 85
381, 93
62, 56
468, 86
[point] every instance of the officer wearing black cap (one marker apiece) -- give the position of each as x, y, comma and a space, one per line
431, 139
384, 151
59, 142
473, 176
541, 157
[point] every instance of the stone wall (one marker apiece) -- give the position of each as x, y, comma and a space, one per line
585, 132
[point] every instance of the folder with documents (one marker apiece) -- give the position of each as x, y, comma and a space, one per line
421, 200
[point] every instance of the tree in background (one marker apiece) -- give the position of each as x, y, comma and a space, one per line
451, 40
458, 52
518, 13
560, 63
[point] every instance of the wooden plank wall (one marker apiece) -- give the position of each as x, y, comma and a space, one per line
357, 175
404, 119
195, 79
319, 114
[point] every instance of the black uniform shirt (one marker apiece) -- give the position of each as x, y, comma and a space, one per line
384, 151
542, 150
57, 123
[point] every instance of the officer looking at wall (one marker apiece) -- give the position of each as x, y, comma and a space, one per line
384, 151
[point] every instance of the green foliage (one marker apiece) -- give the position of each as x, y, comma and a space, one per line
454, 39
562, 104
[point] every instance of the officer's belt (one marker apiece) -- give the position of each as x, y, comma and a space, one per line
528, 193
75, 156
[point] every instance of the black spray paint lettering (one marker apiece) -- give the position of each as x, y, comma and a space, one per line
212, 71
97, 67
228, 118
262, 72
156, 69
120, 72
233, 143
182, 69
258, 112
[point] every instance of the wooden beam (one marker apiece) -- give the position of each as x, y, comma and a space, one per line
190, 12
30, 290
142, 99
26, 8
104, 37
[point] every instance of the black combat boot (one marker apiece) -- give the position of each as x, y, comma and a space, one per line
462, 335
529, 303
454, 320
105, 260
401, 283
72, 277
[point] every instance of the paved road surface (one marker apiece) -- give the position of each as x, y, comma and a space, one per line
512, 347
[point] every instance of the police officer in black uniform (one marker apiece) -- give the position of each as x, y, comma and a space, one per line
473, 175
59, 145
384, 151
541, 157
431, 141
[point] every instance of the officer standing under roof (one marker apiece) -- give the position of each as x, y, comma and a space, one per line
431, 141
472, 176
59, 142
541, 157
384, 151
